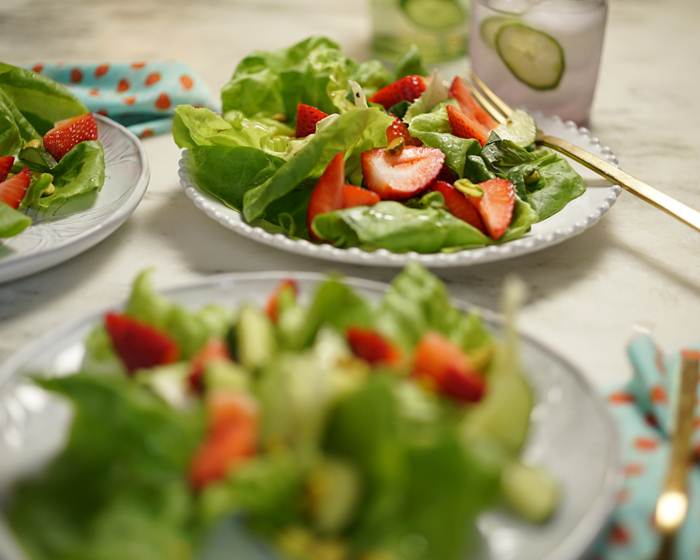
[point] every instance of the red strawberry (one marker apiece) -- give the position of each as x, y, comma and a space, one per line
139, 345
398, 129
12, 190
328, 192
407, 88
469, 105
459, 205
372, 347
496, 205
401, 175
465, 126
271, 308
66, 134
213, 351
446, 367
231, 438
307, 118
357, 196
5, 166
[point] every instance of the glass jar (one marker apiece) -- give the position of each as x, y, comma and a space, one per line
540, 54
438, 27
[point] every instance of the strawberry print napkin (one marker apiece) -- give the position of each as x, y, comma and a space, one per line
644, 410
141, 95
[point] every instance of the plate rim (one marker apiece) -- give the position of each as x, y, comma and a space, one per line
28, 264
582, 536
233, 220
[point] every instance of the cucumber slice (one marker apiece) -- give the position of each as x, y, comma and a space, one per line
530, 491
490, 27
504, 414
255, 338
520, 128
436, 15
534, 57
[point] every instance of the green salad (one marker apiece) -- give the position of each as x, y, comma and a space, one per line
318, 146
49, 151
326, 426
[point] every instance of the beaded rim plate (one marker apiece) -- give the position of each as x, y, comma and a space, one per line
576, 217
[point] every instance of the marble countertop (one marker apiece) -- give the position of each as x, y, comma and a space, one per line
636, 266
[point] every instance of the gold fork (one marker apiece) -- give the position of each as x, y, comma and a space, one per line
500, 111
672, 505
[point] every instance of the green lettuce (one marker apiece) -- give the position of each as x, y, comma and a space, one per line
313, 71
12, 222
434, 130
81, 171
411, 63
352, 132
112, 493
547, 182
41, 100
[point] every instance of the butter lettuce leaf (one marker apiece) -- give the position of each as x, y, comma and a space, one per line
112, 492
12, 222
352, 132
42, 101
313, 71
433, 129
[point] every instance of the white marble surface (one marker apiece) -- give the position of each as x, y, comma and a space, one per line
636, 266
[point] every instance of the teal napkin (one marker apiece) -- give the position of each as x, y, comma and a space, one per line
142, 95
644, 411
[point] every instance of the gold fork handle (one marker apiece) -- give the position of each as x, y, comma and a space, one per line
649, 194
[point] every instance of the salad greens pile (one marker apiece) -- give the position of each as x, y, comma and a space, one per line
250, 158
331, 428
30, 106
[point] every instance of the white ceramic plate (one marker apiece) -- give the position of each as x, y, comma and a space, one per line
61, 233
576, 217
32, 426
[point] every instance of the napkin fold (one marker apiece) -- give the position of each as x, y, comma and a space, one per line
142, 95
644, 411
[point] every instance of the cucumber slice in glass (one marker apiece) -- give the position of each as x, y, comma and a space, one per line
534, 57
490, 27
436, 15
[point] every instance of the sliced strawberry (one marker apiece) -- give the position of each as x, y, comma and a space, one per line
12, 190
213, 351
496, 205
460, 91
139, 345
5, 166
357, 196
272, 306
68, 133
398, 129
465, 126
401, 175
328, 192
372, 347
307, 118
231, 438
407, 88
459, 205
445, 367
446, 174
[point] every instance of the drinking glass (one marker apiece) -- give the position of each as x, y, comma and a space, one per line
540, 54
438, 27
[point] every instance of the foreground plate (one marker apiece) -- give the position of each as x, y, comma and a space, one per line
576, 217
572, 432
61, 233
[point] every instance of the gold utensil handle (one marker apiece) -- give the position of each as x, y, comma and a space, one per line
649, 194
672, 505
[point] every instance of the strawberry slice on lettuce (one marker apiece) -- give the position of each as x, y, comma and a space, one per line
66, 134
